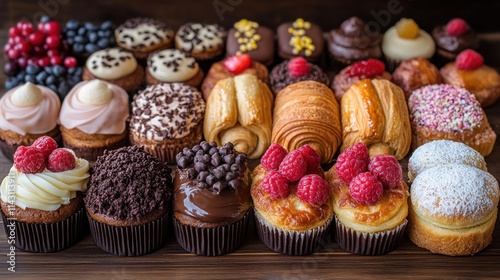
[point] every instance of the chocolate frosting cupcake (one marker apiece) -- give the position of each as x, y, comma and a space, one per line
280, 76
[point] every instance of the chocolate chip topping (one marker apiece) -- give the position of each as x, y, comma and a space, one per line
128, 184
200, 36
140, 33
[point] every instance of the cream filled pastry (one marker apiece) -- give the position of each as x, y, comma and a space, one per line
172, 66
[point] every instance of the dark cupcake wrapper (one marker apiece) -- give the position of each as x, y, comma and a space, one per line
91, 154
291, 242
368, 244
129, 240
212, 241
45, 238
9, 149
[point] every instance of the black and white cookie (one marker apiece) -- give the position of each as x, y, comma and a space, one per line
202, 41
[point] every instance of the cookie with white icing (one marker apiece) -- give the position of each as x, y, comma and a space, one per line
173, 66
202, 41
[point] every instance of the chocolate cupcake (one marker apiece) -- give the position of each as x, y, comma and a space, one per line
127, 202
253, 39
293, 71
300, 38
211, 199
453, 38
173, 66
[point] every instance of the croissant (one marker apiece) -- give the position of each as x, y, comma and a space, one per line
239, 110
374, 112
307, 113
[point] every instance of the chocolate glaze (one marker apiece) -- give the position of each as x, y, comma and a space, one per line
454, 44
265, 46
314, 32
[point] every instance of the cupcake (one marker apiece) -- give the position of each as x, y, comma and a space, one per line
27, 112
300, 38
127, 202
352, 42
469, 72
406, 40
212, 205
41, 197
201, 41
453, 38
365, 69
166, 118
116, 66
253, 39
173, 66
292, 202
293, 71
370, 201
415, 73
93, 118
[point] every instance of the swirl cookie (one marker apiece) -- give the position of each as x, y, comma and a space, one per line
202, 41
173, 66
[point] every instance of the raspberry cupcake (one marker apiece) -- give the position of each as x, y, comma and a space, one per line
292, 202
370, 201
293, 71
128, 211
300, 38
212, 205
415, 73
42, 197
453, 38
173, 66
253, 39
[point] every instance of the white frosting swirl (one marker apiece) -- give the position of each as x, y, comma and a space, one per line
27, 95
199, 37
395, 47
172, 66
111, 64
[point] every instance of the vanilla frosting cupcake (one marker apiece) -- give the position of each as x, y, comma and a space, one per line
93, 118
26, 113
173, 66
202, 41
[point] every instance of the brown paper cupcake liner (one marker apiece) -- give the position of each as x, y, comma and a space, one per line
368, 244
91, 154
291, 242
212, 241
45, 238
129, 240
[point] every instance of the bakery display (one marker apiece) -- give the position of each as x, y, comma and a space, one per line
293, 71
415, 73
253, 39
173, 66
201, 41
317, 123
453, 38
374, 112
239, 110
300, 38
452, 113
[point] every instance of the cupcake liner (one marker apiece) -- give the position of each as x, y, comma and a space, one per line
291, 242
45, 238
211, 241
91, 154
368, 244
8, 149
129, 240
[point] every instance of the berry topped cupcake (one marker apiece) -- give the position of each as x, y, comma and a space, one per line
300, 38
453, 38
173, 66
293, 71
201, 41
253, 39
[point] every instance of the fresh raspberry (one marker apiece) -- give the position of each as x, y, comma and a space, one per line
29, 160
61, 160
366, 68
311, 156
237, 63
298, 67
313, 189
387, 170
366, 189
275, 185
457, 27
45, 144
273, 156
293, 166
353, 161
469, 60
358, 151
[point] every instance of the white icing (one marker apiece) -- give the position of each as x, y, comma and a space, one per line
95, 92
142, 37
27, 95
199, 37
395, 47
112, 63
172, 66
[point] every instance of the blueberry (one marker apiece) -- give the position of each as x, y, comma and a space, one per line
103, 43
63, 88
72, 25
78, 72
30, 78
48, 70
111, 40
20, 75
90, 48
92, 36
105, 33
40, 78
78, 48
50, 80
59, 71
45, 19
82, 31
11, 82
70, 41
70, 33
80, 39
91, 26
109, 25
11, 68
53, 87
71, 71
33, 69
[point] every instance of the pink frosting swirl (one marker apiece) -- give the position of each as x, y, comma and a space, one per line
36, 119
108, 118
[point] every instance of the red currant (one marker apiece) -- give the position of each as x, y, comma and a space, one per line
27, 29
44, 61
53, 41
36, 38
70, 62
7, 47
55, 60
18, 39
22, 62
32, 61
52, 28
24, 47
39, 50
13, 54
14, 31
20, 24
53, 52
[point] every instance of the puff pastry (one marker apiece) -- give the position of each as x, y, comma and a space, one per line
374, 112
307, 113
239, 110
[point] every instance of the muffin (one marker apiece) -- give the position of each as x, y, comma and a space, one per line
42, 194
116, 66
173, 66
370, 201
415, 73
292, 202
128, 211
453, 38
293, 71
365, 69
211, 204
201, 41
300, 38
253, 39
470, 72
165, 118
452, 113
142, 36
406, 40
27, 112
93, 118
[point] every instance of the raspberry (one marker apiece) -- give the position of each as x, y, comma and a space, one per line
358, 151
313, 189
273, 156
387, 170
407, 28
45, 144
366, 189
469, 60
298, 67
237, 63
367, 68
311, 156
353, 161
293, 166
61, 160
457, 27
275, 185
29, 160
